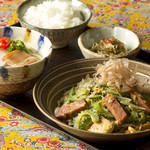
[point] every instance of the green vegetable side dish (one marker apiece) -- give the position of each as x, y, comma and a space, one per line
10, 45
17, 45
109, 108
109, 46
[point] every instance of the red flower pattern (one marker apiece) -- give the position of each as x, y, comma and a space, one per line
43, 140
2, 142
10, 149
53, 143
124, 3
3, 118
14, 123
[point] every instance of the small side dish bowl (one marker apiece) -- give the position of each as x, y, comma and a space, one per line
59, 37
19, 79
50, 89
89, 37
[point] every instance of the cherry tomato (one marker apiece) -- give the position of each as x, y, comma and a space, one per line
110, 40
4, 44
103, 38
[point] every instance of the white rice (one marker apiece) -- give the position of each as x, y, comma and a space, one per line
53, 15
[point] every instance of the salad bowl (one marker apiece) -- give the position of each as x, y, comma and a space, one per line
50, 89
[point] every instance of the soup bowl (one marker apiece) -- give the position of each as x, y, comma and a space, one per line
17, 80
50, 89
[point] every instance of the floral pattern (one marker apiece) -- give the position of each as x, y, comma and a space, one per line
18, 130
131, 14
8, 11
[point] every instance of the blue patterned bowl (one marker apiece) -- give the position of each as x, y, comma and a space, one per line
59, 37
17, 80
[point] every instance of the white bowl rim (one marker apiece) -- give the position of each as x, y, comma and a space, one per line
56, 30
13, 27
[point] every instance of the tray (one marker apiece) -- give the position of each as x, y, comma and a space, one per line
22, 131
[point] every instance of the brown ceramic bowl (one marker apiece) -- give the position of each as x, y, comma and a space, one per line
59, 37
50, 88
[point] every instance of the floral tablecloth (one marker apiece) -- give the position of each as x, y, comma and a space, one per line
8, 9
131, 14
23, 132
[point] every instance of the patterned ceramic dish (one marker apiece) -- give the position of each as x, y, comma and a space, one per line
49, 89
129, 38
17, 80
59, 37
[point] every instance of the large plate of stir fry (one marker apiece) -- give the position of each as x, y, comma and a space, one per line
96, 99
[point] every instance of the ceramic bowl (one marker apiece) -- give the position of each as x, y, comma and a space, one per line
17, 80
50, 88
59, 37
129, 38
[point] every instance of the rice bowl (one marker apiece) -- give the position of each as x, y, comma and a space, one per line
59, 37
55, 15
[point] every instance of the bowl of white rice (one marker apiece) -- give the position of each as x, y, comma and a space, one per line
59, 20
